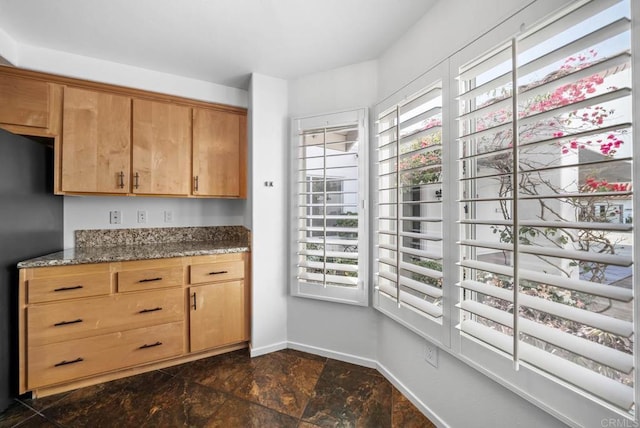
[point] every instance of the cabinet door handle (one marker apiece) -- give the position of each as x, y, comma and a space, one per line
195, 301
195, 183
121, 177
145, 346
74, 287
136, 179
151, 279
220, 272
145, 311
65, 362
61, 323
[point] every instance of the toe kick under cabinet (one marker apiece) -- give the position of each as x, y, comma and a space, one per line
90, 323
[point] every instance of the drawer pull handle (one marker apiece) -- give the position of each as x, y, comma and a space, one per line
153, 345
151, 279
61, 323
218, 272
65, 362
144, 311
195, 302
75, 287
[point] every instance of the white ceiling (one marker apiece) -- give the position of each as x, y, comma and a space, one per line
219, 41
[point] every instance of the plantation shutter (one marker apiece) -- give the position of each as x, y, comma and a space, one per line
546, 200
409, 217
329, 224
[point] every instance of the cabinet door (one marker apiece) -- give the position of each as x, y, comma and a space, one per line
217, 315
219, 147
24, 102
96, 142
161, 148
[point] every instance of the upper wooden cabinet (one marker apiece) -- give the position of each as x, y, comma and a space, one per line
161, 148
219, 153
24, 102
96, 142
114, 140
28, 105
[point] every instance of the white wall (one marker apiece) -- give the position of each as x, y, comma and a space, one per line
345, 88
332, 329
453, 394
268, 156
84, 212
8, 49
447, 27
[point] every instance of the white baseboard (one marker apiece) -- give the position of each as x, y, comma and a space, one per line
256, 352
340, 356
410, 396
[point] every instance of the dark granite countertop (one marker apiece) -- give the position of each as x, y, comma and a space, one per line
226, 239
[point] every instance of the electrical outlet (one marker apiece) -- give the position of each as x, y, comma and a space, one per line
431, 354
168, 216
142, 216
115, 217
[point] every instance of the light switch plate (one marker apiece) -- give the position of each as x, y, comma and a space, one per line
115, 217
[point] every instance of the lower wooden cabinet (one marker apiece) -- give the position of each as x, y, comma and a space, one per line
85, 324
218, 302
217, 315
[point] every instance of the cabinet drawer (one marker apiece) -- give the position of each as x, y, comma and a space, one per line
57, 322
68, 287
59, 362
145, 279
217, 271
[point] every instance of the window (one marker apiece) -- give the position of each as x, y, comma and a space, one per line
546, 201
409, 218
504, 217
328, 216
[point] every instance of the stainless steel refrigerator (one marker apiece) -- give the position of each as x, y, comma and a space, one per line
30, 226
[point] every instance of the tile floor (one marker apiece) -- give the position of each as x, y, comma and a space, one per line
282, 389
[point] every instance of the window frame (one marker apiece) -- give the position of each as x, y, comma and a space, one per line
562, 400
547, 392
358, 295
436, 330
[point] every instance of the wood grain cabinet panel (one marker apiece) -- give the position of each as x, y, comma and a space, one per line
217, 315
58, 362
161, 148
24, 102
96, 142
74, 319
149, 279
219, 153
68, 287
218, 271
